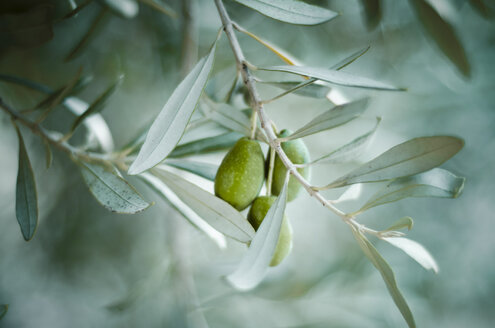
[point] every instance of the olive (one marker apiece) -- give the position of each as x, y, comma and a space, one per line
298, 153
257, 213
241, 174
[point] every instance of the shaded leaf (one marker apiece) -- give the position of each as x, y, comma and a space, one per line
332, 118
231, 118
405, 222
99, 104
216, 212
333, 76
255, 262
26, 199
434, 183
48, 154
372, 13
111, 190
159, 187
349, 151
443, 34
205, 170
206, 145
123, 8
482, 8
411, 157
414, 250
167, 129
290, 11
4, 308
308, 89
387, 274
161, 7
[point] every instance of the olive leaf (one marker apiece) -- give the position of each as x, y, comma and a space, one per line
290, 11
172, 199
352, 193
123, 8
206, 145
333, 76
405, 222
387, 274
48, 154
350, 150
111, 190
26, 199
205, 170
255, 262
434, 183
372, 13
482, 8
167, 129
307, 90
415, 250
443, 34
332, 118
231, 118
4, 308
160, 6
411, 157
216, 212
99, 104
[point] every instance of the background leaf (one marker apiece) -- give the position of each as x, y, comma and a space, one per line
168, 127
206, 145
333, 76
26, 199
4, 308
125, 8
205, 170
414, 250
405, 222
332, 118
372, 11
290, 11
161, 188
443, 34
255, 262
111, 190
434, 183
408, 158
387, 274
216, 212
231, 118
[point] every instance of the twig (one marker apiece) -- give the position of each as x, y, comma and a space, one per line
273, 141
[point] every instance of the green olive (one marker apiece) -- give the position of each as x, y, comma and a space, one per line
240, 176
298, 153
257, 213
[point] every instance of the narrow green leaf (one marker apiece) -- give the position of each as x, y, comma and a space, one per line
160, 6
99, 104
124, 8
173, 200
482, 8
290, 11
405, 222
333, 76
255, 262
415, 250
408, 158
48, 154
111, 190
372, 13
350, 59
309, 90
443, 34
169, 126
387, 274
3, 310
80, 84
26, 199
216, 212
206, 145
205, 170
352, 193
25, 82
231, 118
434, 183
332, 118
351, 150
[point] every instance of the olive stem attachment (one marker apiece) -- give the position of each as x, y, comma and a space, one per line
249, 80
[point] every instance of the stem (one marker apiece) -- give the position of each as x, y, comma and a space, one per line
265, 121
270, 173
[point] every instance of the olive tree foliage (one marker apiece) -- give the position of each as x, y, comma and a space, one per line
409, 169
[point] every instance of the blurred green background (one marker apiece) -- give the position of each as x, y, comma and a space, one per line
87, 267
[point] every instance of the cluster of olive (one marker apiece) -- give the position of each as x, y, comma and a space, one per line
241, 175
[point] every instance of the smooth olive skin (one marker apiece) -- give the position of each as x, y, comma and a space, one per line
240, 176
257, 213
298, 153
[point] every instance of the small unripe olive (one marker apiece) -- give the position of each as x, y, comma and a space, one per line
298, 153
257, 213
240, 176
